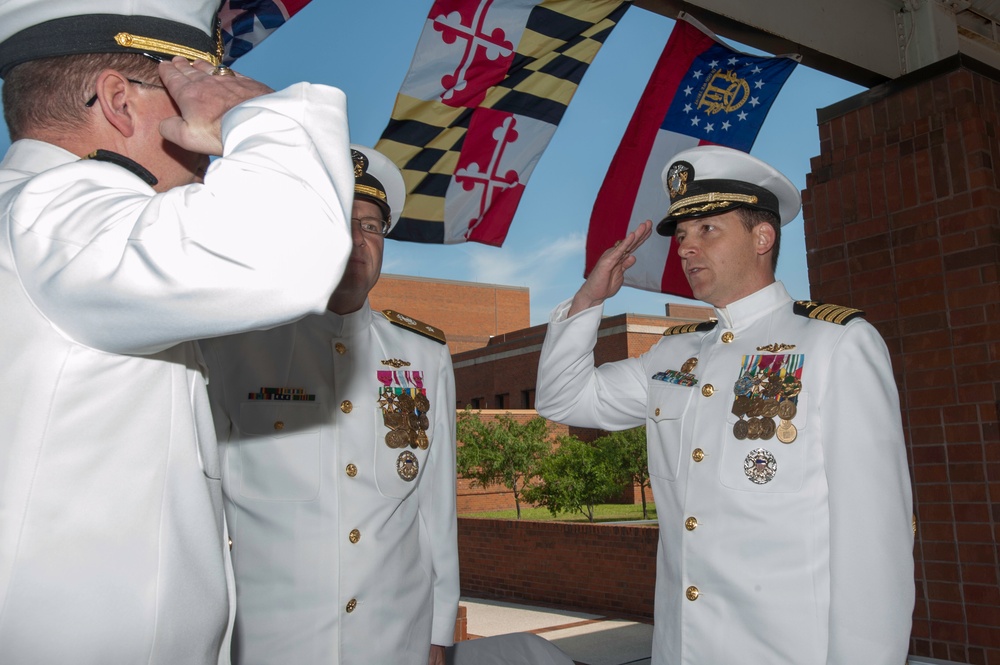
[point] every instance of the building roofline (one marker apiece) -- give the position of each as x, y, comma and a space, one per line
438, 280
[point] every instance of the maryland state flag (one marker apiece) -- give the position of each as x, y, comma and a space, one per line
701, 92
489, 83
246, 23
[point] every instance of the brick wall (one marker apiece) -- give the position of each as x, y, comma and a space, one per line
902, 219
609, 569
469, 313
508, 365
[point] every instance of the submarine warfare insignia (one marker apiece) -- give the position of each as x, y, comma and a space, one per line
767, 388
404, 404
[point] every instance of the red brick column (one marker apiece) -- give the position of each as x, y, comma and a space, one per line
902, 219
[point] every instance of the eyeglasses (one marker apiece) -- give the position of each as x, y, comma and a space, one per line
93, 100
375, 226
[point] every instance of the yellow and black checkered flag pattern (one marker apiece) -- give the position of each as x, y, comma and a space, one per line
425, 136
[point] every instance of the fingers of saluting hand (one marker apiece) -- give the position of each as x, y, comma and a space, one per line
202, 99
622, 250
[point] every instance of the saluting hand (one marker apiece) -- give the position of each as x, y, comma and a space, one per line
608, 274
202, 99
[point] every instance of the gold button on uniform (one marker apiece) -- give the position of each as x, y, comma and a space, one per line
708, 390
691, 523
692, 593
355, 536
341, 349
352, 603
351, 470
697, 454
230, 544
279, 425
727, 337
656, 413
346, 406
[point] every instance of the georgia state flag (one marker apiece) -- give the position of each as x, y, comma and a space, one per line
701, 92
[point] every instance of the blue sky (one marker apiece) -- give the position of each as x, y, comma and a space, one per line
365, 48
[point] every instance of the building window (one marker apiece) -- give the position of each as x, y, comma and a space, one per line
528, 398
477, 403
501, 401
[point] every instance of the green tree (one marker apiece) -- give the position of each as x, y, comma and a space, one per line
574, 478
501, 451
625, 453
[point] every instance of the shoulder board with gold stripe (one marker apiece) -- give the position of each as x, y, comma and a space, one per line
690, 327
829, 313
419, 327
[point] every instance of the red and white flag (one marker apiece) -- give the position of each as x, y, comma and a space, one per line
489, 82
701, 92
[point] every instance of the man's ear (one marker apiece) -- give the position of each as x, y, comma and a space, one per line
113, 98
764, 236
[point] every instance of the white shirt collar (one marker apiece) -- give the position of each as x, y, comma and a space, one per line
747, 310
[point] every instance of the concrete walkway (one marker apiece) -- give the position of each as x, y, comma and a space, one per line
589, 639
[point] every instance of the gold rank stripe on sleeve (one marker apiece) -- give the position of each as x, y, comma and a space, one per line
413, 325
824, 312
690, 327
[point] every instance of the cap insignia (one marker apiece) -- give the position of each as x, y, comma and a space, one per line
360, 163
677, 178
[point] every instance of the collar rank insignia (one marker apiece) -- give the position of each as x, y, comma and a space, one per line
690, 327
413, 325
829, 313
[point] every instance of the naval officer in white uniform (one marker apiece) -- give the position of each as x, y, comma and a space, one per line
775, 444
338, 449
120, 246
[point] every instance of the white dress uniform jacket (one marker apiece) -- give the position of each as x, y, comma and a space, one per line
814, 566
112, 544
338, 558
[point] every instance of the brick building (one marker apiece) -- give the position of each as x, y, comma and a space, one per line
469, 313
902, 219
501, 375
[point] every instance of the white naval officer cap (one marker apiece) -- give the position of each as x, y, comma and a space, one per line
711, 180
378, 180
33, 29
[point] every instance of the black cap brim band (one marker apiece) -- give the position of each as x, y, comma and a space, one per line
383, 206
704, 198
95, 33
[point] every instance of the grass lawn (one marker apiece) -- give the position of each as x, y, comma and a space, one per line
609, 512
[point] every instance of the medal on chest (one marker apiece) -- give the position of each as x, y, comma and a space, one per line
767, 389
403, 400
